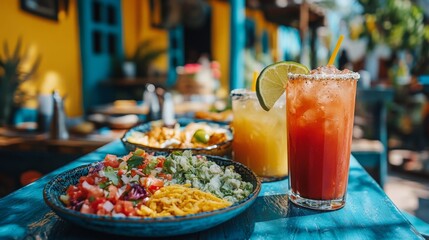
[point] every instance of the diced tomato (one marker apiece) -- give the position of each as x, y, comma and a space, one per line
71, 189
165, 176
110, 157
102, 212
129, 208
125, 207
125, 158
112, 192
156, 182
111, 160
153, 184
160, 162
127, 188
98, 203
88, 179
86, 209
121, 172
101, 181
118, 207
153, 188
76, 193
93, 191
142, 166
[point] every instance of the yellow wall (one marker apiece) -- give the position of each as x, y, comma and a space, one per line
221, 38
137, 28
274, 46
58, 45
261, 25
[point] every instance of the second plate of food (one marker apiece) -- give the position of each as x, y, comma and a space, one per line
199, 136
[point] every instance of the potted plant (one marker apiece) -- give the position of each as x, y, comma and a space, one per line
144, 57
12, 75
391, 27
138, 64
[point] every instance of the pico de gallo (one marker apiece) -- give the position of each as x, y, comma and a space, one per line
117, 185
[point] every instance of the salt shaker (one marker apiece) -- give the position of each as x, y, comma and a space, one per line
168, 110
58, 124
152, 102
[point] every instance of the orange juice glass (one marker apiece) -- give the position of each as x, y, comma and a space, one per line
259, 139
320, 112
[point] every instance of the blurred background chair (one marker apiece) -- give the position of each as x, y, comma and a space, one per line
369, 145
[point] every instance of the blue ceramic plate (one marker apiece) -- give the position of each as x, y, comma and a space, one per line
221, 149
154, 227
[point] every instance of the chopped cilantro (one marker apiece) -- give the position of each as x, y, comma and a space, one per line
110, 173
134, 161
103, 185
153, 162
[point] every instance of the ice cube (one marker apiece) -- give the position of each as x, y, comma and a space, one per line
311, 115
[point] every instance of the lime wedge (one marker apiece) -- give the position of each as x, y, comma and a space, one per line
201, 136
271, 82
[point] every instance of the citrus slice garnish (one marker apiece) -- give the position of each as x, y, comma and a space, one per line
201, 136
271, 82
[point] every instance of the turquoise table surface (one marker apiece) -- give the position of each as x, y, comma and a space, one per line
368, 214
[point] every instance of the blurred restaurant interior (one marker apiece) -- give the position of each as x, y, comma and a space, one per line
76, 75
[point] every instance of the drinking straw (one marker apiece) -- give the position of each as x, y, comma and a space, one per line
335, 52
255, 77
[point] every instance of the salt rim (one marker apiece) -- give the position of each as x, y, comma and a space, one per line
324, 76
243, 93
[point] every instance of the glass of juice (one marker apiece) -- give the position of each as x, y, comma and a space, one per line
320, 111
259, 139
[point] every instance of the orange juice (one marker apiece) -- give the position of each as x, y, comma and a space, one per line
259, 139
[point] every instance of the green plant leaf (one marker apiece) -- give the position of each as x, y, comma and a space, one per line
6, 50
16, 56
32, 71
141, 48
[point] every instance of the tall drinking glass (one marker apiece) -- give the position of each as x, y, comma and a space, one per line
320, 112
259, 139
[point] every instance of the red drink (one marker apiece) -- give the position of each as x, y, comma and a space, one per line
320, 111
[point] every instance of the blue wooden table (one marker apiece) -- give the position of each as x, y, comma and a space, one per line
368, 214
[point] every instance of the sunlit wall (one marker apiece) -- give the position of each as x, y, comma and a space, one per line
58, 45
137, 28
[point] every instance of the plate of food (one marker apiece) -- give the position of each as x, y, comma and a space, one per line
200, 136
145, 194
